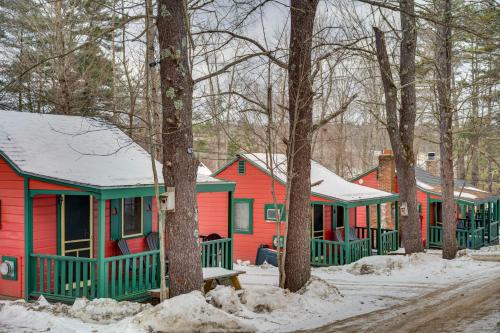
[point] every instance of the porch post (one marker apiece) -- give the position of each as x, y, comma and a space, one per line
428, 221
396, 224
101, 233
379, 232
346, 235
28, 240
230, 228
368, 231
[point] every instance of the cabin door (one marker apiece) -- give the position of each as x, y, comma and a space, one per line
76, 225
317, 231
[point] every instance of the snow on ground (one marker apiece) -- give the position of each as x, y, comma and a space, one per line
333, 293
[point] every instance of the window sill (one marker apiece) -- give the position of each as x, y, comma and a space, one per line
141, 235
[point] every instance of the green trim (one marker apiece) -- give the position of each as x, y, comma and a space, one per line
428, 220
364, 174
225, 166
396, 224
273, 206
250, 215
28, 238
34, 193
241, 167
379, 231
215, 187
346, 236
230, 227
58, 222
101, 237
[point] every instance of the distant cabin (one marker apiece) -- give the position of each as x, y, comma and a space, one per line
478, 211
77, 211
337, 205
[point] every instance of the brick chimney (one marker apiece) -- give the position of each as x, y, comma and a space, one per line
387, 182
387, 171
432, 164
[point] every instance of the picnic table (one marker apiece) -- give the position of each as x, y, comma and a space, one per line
212, 276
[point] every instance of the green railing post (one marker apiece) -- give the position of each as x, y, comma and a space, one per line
428, 221
346, 236
369, 234
231, 228
379, 232
101, 230
396, 224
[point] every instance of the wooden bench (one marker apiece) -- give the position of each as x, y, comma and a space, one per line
212, 276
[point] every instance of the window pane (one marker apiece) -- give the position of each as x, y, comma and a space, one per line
272, 214
132, 216
242, 216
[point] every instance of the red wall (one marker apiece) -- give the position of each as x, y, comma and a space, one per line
12, 226
370, 180
256, 184
212, 213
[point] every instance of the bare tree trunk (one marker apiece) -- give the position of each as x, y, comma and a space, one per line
297, 259
401, 134
63, 94
476, 128
179, 163
443, 64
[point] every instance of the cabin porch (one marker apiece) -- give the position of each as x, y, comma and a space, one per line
72, 248
477, 223
361, 240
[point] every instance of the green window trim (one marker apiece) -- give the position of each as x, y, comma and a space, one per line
116, 219
241, 167
268, 207
249, 231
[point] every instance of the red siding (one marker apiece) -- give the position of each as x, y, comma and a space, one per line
12, 226
45, 224
41, 185
212, 213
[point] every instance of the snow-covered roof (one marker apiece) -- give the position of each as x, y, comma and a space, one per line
325, 182
77, 150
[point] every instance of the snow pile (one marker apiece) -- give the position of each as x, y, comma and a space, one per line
272, 309
188, 313
104, 310
487, 251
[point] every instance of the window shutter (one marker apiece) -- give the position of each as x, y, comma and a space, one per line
116, 219
147, 211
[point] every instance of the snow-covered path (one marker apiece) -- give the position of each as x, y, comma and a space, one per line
469, 306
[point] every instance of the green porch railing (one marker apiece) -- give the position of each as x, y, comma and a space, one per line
359, 248
61, 278
477, 237
493, 232
362, 232
327, 253
435, 236
389, 241
472, 239
131, 276
217, 253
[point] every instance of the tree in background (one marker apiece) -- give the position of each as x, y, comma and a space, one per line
443, 78
401, 125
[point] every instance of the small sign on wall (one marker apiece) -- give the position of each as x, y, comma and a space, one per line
403, 209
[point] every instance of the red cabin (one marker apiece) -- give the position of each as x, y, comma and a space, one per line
337, 205
478, 211
77, 216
